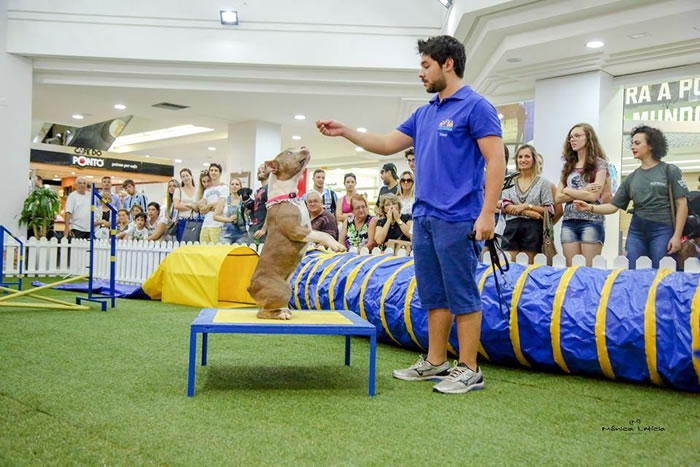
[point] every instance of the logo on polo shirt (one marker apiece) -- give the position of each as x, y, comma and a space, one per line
446, 125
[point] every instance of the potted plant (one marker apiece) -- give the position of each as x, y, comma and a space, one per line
40, 209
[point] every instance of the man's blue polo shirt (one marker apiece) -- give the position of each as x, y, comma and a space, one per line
449, 165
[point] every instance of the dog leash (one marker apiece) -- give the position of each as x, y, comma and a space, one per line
493, 248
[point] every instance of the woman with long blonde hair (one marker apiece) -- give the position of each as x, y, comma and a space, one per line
407, 194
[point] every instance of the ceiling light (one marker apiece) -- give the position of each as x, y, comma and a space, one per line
211, 148
89, 176
514, 60
300, 117
229, 17
147, 155
500, 116
206, 164
56, 176
72, 173
639, 35
362, 130
119, 106
155, 135
359, 149
296, 137
595, 44
77, 116
178, 161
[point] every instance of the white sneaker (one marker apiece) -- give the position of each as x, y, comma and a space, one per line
460, 380
422, 370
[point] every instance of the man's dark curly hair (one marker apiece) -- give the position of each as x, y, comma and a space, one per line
440, 48
655, 138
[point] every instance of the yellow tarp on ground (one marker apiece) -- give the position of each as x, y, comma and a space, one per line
204, 276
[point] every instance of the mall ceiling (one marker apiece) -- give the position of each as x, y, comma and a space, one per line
510, 45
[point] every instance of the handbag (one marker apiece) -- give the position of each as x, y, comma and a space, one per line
548, 248
688, 246
191, 229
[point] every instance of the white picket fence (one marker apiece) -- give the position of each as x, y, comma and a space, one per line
137, 260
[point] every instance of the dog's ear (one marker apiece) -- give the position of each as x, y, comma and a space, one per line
273, 166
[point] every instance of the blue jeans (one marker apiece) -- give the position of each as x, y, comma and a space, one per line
647, 238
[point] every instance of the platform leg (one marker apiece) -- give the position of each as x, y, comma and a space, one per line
205, 336
193, 357
372, 358
347, 350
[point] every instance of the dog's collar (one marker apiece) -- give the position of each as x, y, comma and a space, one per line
280, 199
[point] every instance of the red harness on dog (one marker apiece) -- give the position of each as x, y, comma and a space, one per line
280, 199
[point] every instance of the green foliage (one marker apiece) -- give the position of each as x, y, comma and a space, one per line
40, 208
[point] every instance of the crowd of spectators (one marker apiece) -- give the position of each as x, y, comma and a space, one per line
234, 214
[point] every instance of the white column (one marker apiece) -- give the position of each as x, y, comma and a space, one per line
560, 103
249, 145
15, 128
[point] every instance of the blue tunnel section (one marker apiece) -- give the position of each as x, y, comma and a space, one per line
635, 325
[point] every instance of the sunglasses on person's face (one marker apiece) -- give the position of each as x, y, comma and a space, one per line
406, 180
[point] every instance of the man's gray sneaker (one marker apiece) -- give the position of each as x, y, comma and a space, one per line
422, 370
460, 380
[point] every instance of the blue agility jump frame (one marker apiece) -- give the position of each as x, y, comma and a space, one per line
102, 299
18, 282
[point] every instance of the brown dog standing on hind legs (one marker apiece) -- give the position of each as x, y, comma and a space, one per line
288, 234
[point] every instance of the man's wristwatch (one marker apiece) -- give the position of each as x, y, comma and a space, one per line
529, 206
400, 222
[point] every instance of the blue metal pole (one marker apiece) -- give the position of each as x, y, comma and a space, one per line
92, 239
113, 252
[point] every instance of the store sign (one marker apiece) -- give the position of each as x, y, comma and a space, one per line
673, 101
85, 158
82, 161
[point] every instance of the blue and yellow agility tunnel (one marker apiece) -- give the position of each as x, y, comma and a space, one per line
636, 325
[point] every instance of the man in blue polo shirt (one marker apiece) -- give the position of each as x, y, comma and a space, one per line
455, 135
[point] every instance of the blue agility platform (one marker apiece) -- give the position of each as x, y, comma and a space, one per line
244, 321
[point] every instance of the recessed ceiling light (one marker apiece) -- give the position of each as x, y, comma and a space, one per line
500, 116
72, 173
595, 44
56, 176
178, 161
639, 35
229, 17
514, 60
211, 148
300, 117
119, 106
359, 149
147, 155
296, 137
206, 164
89, 176
77, 116
362, 130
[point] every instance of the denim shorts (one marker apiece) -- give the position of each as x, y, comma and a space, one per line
445, 265
576, 230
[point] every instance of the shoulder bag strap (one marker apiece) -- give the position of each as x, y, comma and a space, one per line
670, 197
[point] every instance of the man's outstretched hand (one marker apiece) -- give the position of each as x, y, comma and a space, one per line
330, 127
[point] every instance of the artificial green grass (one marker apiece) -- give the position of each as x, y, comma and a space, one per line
110, 388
